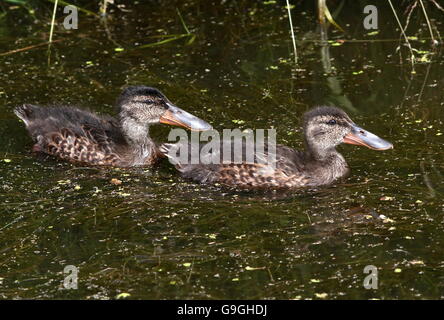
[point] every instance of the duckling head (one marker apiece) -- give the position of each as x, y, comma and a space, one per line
144, 105
327, 127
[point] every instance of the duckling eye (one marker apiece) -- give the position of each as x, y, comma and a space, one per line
331, 122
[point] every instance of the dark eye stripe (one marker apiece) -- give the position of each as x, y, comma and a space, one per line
147, 101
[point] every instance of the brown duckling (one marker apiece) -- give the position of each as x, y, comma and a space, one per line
79, 135
320, 164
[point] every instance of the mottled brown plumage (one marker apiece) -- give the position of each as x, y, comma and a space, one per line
78, 135
319, 164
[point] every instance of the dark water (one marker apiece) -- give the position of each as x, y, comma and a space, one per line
157, 236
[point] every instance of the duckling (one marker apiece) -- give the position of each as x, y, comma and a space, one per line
320, 164
78, 135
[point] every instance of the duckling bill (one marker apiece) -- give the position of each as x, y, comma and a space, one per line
79, 135
319, 164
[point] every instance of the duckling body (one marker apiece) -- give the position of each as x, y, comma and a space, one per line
319, 164
78, 135
291, 169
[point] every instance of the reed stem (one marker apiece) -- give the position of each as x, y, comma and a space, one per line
53, 21
292, 34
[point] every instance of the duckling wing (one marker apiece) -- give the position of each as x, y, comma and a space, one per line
284, 171
72, 134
